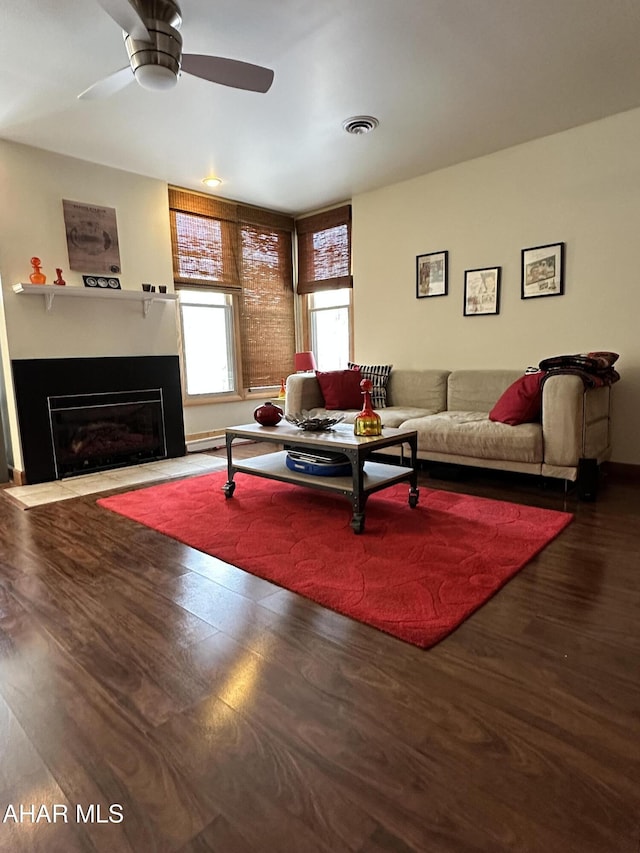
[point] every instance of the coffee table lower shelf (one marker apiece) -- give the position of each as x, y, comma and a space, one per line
375, 476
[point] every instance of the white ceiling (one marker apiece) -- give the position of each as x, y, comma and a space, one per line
449, 80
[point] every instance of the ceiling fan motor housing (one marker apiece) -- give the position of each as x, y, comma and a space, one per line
159, 10
162, 19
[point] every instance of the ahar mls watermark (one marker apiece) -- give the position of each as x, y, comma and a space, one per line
61, 813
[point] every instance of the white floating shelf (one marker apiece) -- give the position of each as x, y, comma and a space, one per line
50, 292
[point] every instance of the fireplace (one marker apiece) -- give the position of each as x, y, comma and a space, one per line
78, 415
93, 432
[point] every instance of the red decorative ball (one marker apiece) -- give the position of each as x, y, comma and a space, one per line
366, 385
268, 414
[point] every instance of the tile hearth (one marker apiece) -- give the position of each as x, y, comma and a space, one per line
86, 484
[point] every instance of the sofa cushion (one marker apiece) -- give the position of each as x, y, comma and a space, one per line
391, 416
472, 434
477, 390
395, 416
420, 389
521, 403
379, 376
341, 388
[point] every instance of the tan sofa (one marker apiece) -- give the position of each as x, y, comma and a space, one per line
449, 410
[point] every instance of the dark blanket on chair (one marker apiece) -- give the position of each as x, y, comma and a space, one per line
594, 368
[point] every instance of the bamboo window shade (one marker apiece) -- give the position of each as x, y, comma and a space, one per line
234, 247
204, 240
324, 250
267, 313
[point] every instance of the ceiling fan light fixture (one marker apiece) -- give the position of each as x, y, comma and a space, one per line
151, 33
157, 78
212, 181
358, 125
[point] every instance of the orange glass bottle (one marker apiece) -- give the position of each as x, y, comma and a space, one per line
37, 276
367, 421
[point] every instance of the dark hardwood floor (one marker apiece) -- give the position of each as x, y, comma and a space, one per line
214, 711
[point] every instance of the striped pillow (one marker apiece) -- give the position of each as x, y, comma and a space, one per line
379, 376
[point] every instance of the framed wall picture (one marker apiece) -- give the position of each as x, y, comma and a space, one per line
543, 271
482, 291
432, 274
92, 237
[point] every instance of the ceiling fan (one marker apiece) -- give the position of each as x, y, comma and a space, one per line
154, 45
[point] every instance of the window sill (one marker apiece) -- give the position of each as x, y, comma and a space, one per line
212, 400
270, 394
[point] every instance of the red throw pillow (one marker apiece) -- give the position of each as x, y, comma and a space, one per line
521, 403
341, 388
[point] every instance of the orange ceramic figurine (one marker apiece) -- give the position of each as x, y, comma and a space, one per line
36, 276
59, 280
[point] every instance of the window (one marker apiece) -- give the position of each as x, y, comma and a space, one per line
324, 279
206, 324
329, 322
234, 275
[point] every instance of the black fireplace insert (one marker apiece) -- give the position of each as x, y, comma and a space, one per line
94, 432
132, 413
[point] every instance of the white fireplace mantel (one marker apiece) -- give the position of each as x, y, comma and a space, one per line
50, 292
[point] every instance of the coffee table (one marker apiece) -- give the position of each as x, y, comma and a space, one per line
367, 475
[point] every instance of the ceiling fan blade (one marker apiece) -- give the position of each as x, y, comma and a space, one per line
109, 85
127, 18
228, 72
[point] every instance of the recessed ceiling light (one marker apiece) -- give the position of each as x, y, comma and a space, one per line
360, 124
212, 181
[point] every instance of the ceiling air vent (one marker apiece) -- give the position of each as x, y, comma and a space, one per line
360, 124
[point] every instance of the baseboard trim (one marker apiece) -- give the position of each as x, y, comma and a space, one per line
212, 442
623, 472
17, 477
204, 442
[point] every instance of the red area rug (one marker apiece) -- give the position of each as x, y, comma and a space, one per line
414, 573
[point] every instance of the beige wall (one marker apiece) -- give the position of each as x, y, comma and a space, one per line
581, 187
32, 185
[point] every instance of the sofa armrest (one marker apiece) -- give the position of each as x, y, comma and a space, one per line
303, 392
575, 421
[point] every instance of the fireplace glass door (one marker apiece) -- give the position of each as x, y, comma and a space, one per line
95, 432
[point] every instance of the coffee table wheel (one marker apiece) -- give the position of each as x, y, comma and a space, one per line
414, 494
228, 489
357, 522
